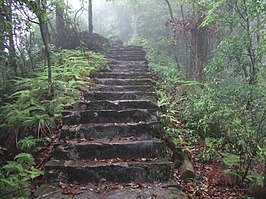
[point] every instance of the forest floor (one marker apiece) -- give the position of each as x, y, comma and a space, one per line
210, 182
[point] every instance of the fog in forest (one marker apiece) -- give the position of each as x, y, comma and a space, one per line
124, 19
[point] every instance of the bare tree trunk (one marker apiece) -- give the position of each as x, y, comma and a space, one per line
199, 49
90, 18
186, 37
2, 29
170, 9
46, 39
11, 43
175, 43
60, 26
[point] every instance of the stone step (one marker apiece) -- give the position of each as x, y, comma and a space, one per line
121, 82
122, 75
109, 88
127, 52
124, 51
119, 95
114, 105
123, 148
127, 58
108, 116
84, 171
111, 130
124, 69
106, 190
126, 63
130, 49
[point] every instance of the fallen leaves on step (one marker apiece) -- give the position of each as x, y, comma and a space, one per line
71, 189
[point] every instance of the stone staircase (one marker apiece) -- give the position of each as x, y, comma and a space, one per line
112, 134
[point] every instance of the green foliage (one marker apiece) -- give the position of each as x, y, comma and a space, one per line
34, 114
15, 176
29, 106
28, 142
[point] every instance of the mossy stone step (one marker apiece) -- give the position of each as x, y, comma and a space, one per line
122, 75
128, 57
108, 88
107, 116
116, 62
116, 81
124, 148
84, 171
120, 95
114, 105
110, 130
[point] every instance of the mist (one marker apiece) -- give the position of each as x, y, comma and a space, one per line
125, 20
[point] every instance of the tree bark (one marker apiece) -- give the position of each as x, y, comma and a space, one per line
175, 43
46, 39
2, 29
199, 47
11, 43
90, 18
60, 26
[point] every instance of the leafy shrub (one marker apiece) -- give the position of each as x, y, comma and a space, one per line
15, 176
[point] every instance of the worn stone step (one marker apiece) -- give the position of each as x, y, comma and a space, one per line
127, 50
84, 171
109, 88
115, 105
124, 148
125, 69
121, 82
128, 58
119, 95
123, 62
130, 47
117, 68
122, 75
105, 190
111, 130
107, 116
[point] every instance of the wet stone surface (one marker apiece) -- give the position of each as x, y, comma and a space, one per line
109, 191
112, 135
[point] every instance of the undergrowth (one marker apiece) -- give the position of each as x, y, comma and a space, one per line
29, 115
227, 116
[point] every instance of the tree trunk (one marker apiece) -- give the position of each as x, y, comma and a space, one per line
46, 39
175, 43
90, 18
170, 9
11, 43
199, 47
2, 29
60, 27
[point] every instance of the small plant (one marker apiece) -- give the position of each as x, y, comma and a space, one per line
15, 176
